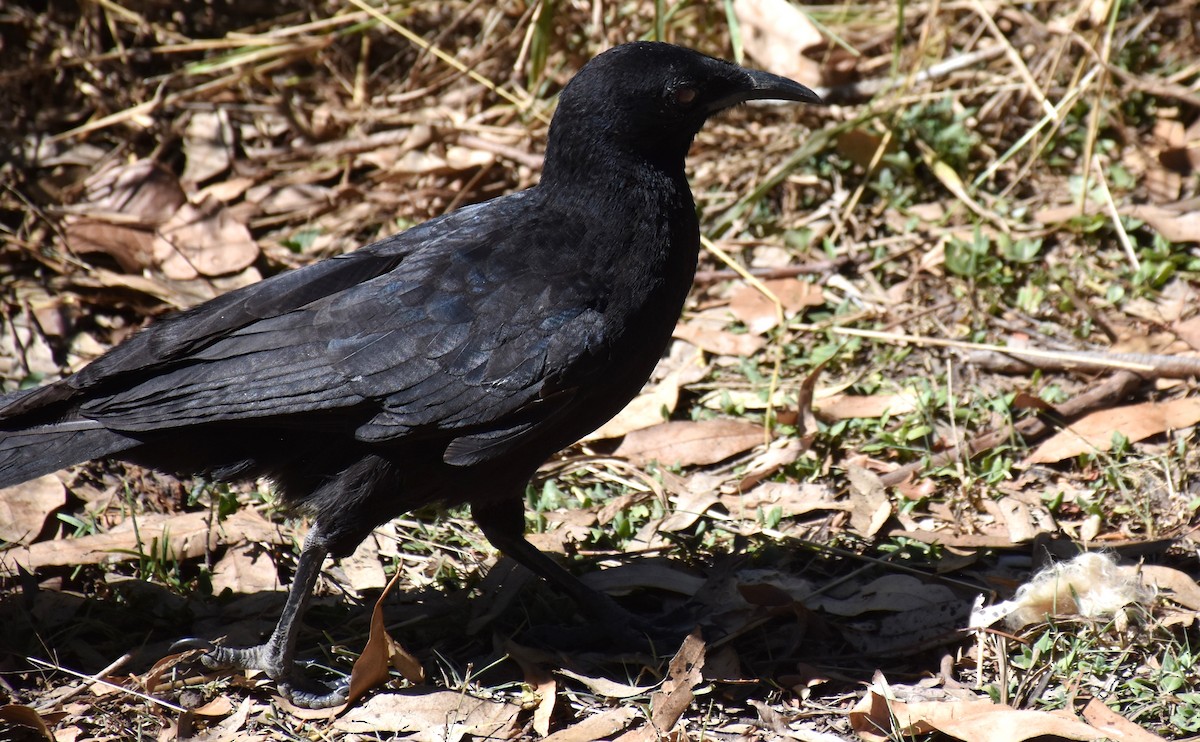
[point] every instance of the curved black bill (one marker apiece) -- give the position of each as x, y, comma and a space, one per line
774, 87
765, 86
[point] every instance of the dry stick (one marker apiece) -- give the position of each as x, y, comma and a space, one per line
1104, 360
817, 267
519, 156
1160, 366
1119, 386
871, 88
102, 681
113, 667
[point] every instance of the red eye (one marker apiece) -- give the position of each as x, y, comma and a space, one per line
685, 95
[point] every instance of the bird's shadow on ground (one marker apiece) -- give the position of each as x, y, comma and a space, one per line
781, 612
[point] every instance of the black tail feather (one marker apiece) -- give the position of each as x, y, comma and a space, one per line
27, 454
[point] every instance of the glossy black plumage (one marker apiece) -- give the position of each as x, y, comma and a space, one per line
442, 364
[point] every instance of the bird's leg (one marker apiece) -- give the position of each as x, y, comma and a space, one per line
276, 657
503, 523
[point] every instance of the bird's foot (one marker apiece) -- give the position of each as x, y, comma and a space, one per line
266, 658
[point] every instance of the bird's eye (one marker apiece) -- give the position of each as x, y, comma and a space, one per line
685, 95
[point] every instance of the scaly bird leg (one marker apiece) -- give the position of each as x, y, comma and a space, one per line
503, 523
276, 657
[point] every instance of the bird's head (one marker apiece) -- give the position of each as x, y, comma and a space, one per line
651, 99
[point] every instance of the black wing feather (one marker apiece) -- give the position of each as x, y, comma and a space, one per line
452, 327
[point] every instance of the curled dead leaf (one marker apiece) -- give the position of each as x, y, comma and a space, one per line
1094, 432
25, 507
688, 443
203, 240
381, 654
775, 34
877, 718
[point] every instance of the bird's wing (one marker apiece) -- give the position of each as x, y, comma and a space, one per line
473, 330
173, 339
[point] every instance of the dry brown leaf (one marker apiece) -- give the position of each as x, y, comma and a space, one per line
25, 507
689, 443
207, 145
26, 717
953, 540
431, 716
1182, 588
122, 206
245, 569
203, 239
688, 508
187, 536
467, 158
1114, 725
143, 191
601, 726
848, 406
860, 146
154, 675
775, 34
219, 706
381, 653
683, 365
1018, 519
875, 719
290, 199
130, 246
364, 568
757, 312
870, 506
719, 342
1094, 432
104, 278
605, 687
225, 190
790, 498
777, 455
683, 675
1192, 145
232, 728
1177, 222
643, 411
540, 680
419, 162
1052, 215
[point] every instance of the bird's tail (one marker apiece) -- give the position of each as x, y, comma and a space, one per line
30, 453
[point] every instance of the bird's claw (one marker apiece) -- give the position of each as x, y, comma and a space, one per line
191, 642
289, 679
315, 695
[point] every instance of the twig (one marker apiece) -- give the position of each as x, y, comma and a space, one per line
1119, 386
1159, 366
815, 268
870, 88
1090, 359
112, 667
1014, 58
121, 688
521, 157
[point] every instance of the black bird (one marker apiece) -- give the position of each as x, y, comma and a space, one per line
443, 364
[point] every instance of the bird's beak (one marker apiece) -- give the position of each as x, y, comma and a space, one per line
761, 85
